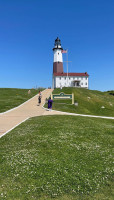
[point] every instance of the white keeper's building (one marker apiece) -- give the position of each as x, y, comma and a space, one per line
61, 79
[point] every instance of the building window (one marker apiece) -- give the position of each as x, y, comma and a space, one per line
86, 83
86, 78
58, 53
59, 78
69, 78
77, 78
82, 78
65, 78
81, 83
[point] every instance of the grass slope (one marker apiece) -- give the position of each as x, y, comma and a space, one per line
11, 97
61, 157
91, 105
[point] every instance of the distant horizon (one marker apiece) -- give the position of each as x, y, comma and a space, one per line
47, 88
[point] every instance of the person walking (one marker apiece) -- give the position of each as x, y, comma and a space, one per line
50, 101
39, 97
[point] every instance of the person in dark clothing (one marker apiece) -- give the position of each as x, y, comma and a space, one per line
50, 101
39, 97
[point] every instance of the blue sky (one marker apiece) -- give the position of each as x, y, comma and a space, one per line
28, 29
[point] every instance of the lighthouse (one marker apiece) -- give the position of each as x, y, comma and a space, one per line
62, 79
58, 59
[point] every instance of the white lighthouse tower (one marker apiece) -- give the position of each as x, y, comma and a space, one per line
58, 59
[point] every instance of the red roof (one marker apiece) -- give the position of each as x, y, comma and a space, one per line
71, 74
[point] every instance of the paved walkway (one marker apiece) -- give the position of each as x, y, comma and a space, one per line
30, 108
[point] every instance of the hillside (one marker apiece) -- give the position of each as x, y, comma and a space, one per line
90, 102
12, 97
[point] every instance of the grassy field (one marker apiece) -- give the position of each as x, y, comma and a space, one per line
89, 102
58, 157
11, 97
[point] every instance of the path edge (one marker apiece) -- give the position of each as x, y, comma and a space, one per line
82, 115
14, 127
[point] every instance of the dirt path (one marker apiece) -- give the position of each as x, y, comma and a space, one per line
30, 108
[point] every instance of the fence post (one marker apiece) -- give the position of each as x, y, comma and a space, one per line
51, 96
72, 98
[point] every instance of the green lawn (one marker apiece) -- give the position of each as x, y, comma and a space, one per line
61, 157
11, 97
89, 102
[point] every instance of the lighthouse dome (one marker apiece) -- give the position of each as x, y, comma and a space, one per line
57, 44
